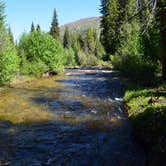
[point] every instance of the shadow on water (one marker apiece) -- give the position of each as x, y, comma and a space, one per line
62, 143
90, 128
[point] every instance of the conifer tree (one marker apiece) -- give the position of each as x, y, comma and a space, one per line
32, 27
38, 29
55, 31
66, 38
2, 16
109, 27
90, 41
8, 56
75, 44
113, 15
81, 41
10, 34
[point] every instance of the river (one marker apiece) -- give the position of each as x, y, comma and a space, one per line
91, 127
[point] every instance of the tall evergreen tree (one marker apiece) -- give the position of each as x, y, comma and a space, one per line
113, 15
90, 41
32, 27
10, 34
66, 38
2, 16
55, 31
75, 44
99, 49
38, 29
81, 40
8, 57
109, 38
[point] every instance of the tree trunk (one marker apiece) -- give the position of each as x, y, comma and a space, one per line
162, 6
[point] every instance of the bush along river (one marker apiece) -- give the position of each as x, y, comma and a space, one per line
74, 119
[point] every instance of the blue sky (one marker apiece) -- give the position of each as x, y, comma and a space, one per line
21, 13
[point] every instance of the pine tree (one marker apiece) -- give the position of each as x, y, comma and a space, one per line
81, 40
8, 56
32, 27
113, 12
2, 16
38, 29
55, 31
109, 37
66, 38
90, 41
99, 49
10, 34
75, 44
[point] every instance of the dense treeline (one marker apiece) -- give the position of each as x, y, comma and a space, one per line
131, 36
39, 52
87, 47
134, 37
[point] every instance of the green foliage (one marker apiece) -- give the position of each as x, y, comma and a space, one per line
66, 39
8, 55
38, 28
90, 41
122, 38
8, 59
81, 58
76, 40
33, 68
99, 50
112, 13
40, 48
87, 47
92, 60
148, 118
32, 27
55, 31
151, 44
69, 57
129, 58
10, 34
2, 15
84, 59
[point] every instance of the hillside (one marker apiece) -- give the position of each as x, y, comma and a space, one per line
82, 24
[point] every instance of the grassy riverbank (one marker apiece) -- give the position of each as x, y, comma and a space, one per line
147, 111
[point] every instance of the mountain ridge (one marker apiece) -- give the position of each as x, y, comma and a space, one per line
82, 24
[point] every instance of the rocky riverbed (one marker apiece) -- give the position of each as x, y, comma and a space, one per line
89, 125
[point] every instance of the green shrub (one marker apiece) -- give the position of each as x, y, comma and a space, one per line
91, 60
42, 49
130, 59
84, 59
69, 57
135, 68
81, 58
34, 68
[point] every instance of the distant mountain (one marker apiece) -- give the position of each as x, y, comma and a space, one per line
82, 25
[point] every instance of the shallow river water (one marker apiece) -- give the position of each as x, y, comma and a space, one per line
90, 128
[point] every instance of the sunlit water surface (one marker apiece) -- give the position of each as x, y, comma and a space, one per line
90, 128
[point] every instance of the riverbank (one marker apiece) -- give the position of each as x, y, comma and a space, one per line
147, 112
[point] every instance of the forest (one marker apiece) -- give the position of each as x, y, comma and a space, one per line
131, 40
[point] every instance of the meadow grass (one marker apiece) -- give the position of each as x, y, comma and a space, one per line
147, 112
